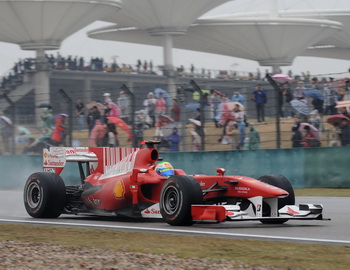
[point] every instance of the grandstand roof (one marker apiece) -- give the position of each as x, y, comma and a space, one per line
271, 41
257, 30
162, 15
44, 24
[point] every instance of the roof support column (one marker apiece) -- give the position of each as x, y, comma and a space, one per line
42, 83
167, 51
168, 63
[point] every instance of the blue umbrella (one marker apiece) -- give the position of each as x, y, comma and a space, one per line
167, 97
313, 93
300, 107
192, 106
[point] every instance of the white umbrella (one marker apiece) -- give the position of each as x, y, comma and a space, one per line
300, 106
6, 119
194, 121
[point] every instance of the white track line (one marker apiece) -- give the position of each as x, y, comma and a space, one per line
169, 230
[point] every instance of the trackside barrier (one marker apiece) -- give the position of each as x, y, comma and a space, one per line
305, 168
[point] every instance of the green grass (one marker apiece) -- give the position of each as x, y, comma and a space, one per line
251, 253
323, 192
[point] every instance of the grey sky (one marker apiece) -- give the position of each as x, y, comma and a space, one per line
80, 45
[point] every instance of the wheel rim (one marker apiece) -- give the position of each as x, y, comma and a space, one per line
33, 195
172, 200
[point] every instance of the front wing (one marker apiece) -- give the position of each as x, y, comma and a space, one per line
220, 213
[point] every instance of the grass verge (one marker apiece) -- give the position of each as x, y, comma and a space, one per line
251, 253
323, 192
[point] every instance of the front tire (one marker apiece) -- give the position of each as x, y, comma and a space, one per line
178, 193
44, 195
281, 182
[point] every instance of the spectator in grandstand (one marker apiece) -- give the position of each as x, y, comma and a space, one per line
260, 99
214, 100
174, 140
238, 113
123, 103
7, 132
160, 106
315, 83
97, 134
344, 133
330, 100
344, 111
238, 97
145, 65
80, 112
93, 115
299, 91
231, 135
241, 128
58, 136
111, 136
309, 138
254, 137
297, 138
140, 125
221, 110
197, 114
196, 133
150, 107
107, 97
112, 110
315, 120
175, 112
285, 97
47, 118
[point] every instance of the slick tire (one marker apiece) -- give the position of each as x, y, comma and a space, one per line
44, 195
178, 193
281, 182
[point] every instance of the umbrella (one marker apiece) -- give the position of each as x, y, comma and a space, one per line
313, 130
194, 121
313, 93
344, 103
192, 106
121, 124
165, 118
232, 105
23, 130
6, 120
44, 105
281, 78
300, 106
336, 119
99, 106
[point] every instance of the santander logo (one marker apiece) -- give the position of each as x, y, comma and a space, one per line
152, 211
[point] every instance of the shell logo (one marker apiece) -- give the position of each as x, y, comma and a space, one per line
119, 190
45, 155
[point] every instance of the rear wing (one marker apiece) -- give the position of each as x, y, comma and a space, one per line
54, 159
109, 161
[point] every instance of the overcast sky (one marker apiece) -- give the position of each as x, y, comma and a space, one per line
80, 45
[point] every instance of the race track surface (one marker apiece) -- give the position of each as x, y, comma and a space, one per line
335, 231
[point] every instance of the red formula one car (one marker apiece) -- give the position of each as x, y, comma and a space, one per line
126, 182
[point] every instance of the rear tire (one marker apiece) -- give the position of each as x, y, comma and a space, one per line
44, 195
281, 182
178, 193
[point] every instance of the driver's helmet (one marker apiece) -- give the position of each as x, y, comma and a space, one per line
165, 169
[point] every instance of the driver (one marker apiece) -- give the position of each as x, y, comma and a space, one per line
165, 169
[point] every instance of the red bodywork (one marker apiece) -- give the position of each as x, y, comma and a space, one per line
125, 178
